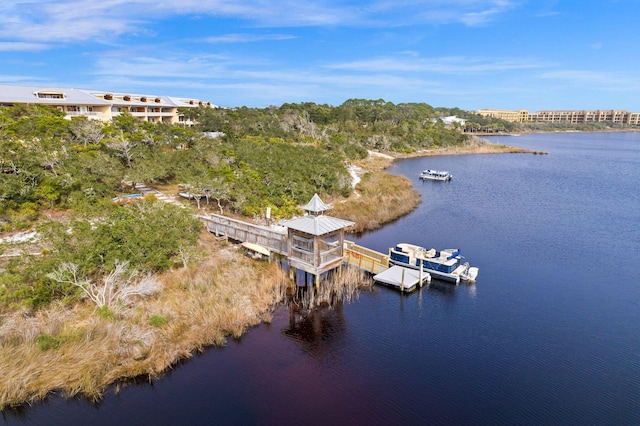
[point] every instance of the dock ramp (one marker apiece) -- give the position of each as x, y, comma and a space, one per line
364, 258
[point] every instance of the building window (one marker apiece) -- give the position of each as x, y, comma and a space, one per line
50, 95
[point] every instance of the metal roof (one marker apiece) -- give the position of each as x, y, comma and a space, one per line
10, 94
316, 205
28, 95
316, 225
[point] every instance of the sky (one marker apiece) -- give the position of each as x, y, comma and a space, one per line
505, 54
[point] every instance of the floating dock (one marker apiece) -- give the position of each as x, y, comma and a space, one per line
404, 279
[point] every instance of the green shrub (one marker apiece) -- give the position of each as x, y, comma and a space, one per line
46, 342
106, 313
157, 320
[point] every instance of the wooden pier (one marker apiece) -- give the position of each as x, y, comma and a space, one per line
222, 226
314, 254
364, 258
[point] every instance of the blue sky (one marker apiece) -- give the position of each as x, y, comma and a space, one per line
452, 53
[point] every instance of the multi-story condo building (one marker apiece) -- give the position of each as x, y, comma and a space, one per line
520, 116
102, 105
571, 116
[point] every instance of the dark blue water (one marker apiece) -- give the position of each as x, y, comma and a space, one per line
550, 334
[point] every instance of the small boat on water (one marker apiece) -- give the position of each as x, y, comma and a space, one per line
444, 264
430, 174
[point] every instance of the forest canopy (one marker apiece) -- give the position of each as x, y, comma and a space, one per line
58, 178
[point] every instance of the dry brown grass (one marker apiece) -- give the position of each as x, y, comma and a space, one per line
383, 198
338, 287
375, 162
223, 296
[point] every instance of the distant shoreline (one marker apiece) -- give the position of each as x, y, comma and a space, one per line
379, 161
108, 351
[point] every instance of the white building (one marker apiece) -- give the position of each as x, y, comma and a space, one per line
102, 105
448, 121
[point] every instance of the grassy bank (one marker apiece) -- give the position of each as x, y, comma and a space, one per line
381, 198
77, 350
80, 350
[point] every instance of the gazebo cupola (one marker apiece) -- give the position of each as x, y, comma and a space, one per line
315, 240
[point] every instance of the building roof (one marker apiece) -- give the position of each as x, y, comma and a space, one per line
10, 94
314, 222
316, 225
29, 95
315, 205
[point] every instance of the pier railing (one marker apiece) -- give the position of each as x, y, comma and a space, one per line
364, 258
247, 232
276, 241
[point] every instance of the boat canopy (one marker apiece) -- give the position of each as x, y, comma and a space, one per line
454, 254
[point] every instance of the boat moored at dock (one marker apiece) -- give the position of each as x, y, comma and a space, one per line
444, 264
430, 174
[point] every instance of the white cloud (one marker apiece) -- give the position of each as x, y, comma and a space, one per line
247, 38
80, 20
17, 46
443, 65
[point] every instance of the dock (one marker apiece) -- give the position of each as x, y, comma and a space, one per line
404, 279
314, 244
364, 258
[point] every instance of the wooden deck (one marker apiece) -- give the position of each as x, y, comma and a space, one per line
364, 258
276, 241
238, 230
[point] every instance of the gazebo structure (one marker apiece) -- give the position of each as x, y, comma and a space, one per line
315, 241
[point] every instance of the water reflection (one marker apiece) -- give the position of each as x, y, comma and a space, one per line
314, 329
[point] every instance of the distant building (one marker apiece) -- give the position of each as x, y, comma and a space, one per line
102, 105
520, 116
571, 116
448, 121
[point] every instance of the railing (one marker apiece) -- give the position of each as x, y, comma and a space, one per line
87, 113
364, 258
303, 255
246, 232
330, 255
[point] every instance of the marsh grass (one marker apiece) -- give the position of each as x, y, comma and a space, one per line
383, 198
336, 288
79, 350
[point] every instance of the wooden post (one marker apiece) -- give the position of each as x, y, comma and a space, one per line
420, 278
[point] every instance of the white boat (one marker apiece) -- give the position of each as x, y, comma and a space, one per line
430, 174
470, 273
444, 264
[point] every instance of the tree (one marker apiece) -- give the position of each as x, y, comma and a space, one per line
117, 286
86, 131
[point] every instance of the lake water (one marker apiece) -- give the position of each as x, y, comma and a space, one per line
549, 334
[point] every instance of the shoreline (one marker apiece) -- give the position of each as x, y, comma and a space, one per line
199, 312
377, 161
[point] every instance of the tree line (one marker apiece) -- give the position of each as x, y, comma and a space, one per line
58, 177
